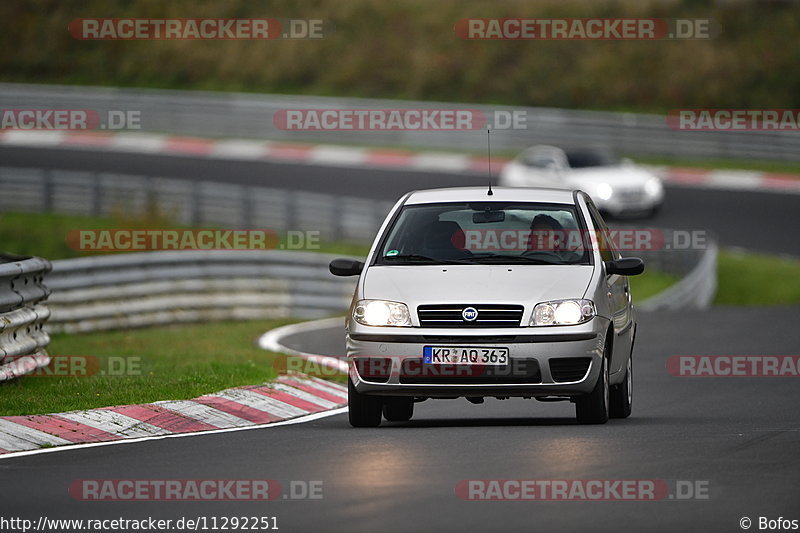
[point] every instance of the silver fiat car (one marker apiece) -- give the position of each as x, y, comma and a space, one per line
475, 293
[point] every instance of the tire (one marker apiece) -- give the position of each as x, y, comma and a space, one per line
653, 211
592, 408
398, 409
622, 394
363, 411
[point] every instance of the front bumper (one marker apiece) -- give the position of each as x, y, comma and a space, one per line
537, 359
620, 205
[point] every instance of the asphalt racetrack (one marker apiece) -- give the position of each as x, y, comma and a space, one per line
734, 440
736, 437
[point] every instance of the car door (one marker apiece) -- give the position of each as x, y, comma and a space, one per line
618, 292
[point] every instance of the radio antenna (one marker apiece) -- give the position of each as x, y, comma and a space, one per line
489, 150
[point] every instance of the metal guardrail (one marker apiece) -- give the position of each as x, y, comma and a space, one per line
251, 116
146, 289
697, 286
152, 288
22, 315
338, 218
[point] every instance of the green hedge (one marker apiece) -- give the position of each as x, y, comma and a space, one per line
409, 50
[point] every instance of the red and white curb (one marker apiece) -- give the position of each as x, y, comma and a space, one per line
289, 397
736, 180
348, 156
249, 150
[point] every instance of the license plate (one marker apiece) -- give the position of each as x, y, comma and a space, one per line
465, 355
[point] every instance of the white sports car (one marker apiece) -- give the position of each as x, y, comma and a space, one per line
617, 186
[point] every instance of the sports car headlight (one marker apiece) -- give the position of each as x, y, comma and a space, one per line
604, 191
563, 313
381, 313
653, 186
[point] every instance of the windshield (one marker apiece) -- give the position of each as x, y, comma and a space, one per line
485, 233
591, 159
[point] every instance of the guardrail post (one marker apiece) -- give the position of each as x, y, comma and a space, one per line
292, 205
196, 203
97, 195
47, 191
247, 201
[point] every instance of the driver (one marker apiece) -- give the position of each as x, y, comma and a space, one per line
547, 234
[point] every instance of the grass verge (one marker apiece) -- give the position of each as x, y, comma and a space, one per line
164, 363
45, 234
650, 283
757, 279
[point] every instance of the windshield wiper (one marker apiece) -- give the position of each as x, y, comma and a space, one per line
514, 258
419, 257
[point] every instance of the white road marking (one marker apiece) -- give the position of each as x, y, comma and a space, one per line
239, 149
338, 155
33, 138
138, 142
440, 161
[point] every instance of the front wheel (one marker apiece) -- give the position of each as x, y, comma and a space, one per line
622, 394
363, 411
398, 409
592, 408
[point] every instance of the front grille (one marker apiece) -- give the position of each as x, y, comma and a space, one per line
631, 196
489, 316
415, 372
565, 369
467, 340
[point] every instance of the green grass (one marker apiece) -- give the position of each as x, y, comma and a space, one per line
650, 283
757, 279
167, 363
45, 234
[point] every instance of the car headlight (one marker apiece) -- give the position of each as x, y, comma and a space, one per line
563, 313
604, 191
653, 187
381, 313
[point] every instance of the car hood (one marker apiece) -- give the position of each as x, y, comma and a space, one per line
617, 176
474, 284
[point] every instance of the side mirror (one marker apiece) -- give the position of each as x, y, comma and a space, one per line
346, 267
627, 266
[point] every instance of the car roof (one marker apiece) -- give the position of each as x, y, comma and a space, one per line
500, 194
